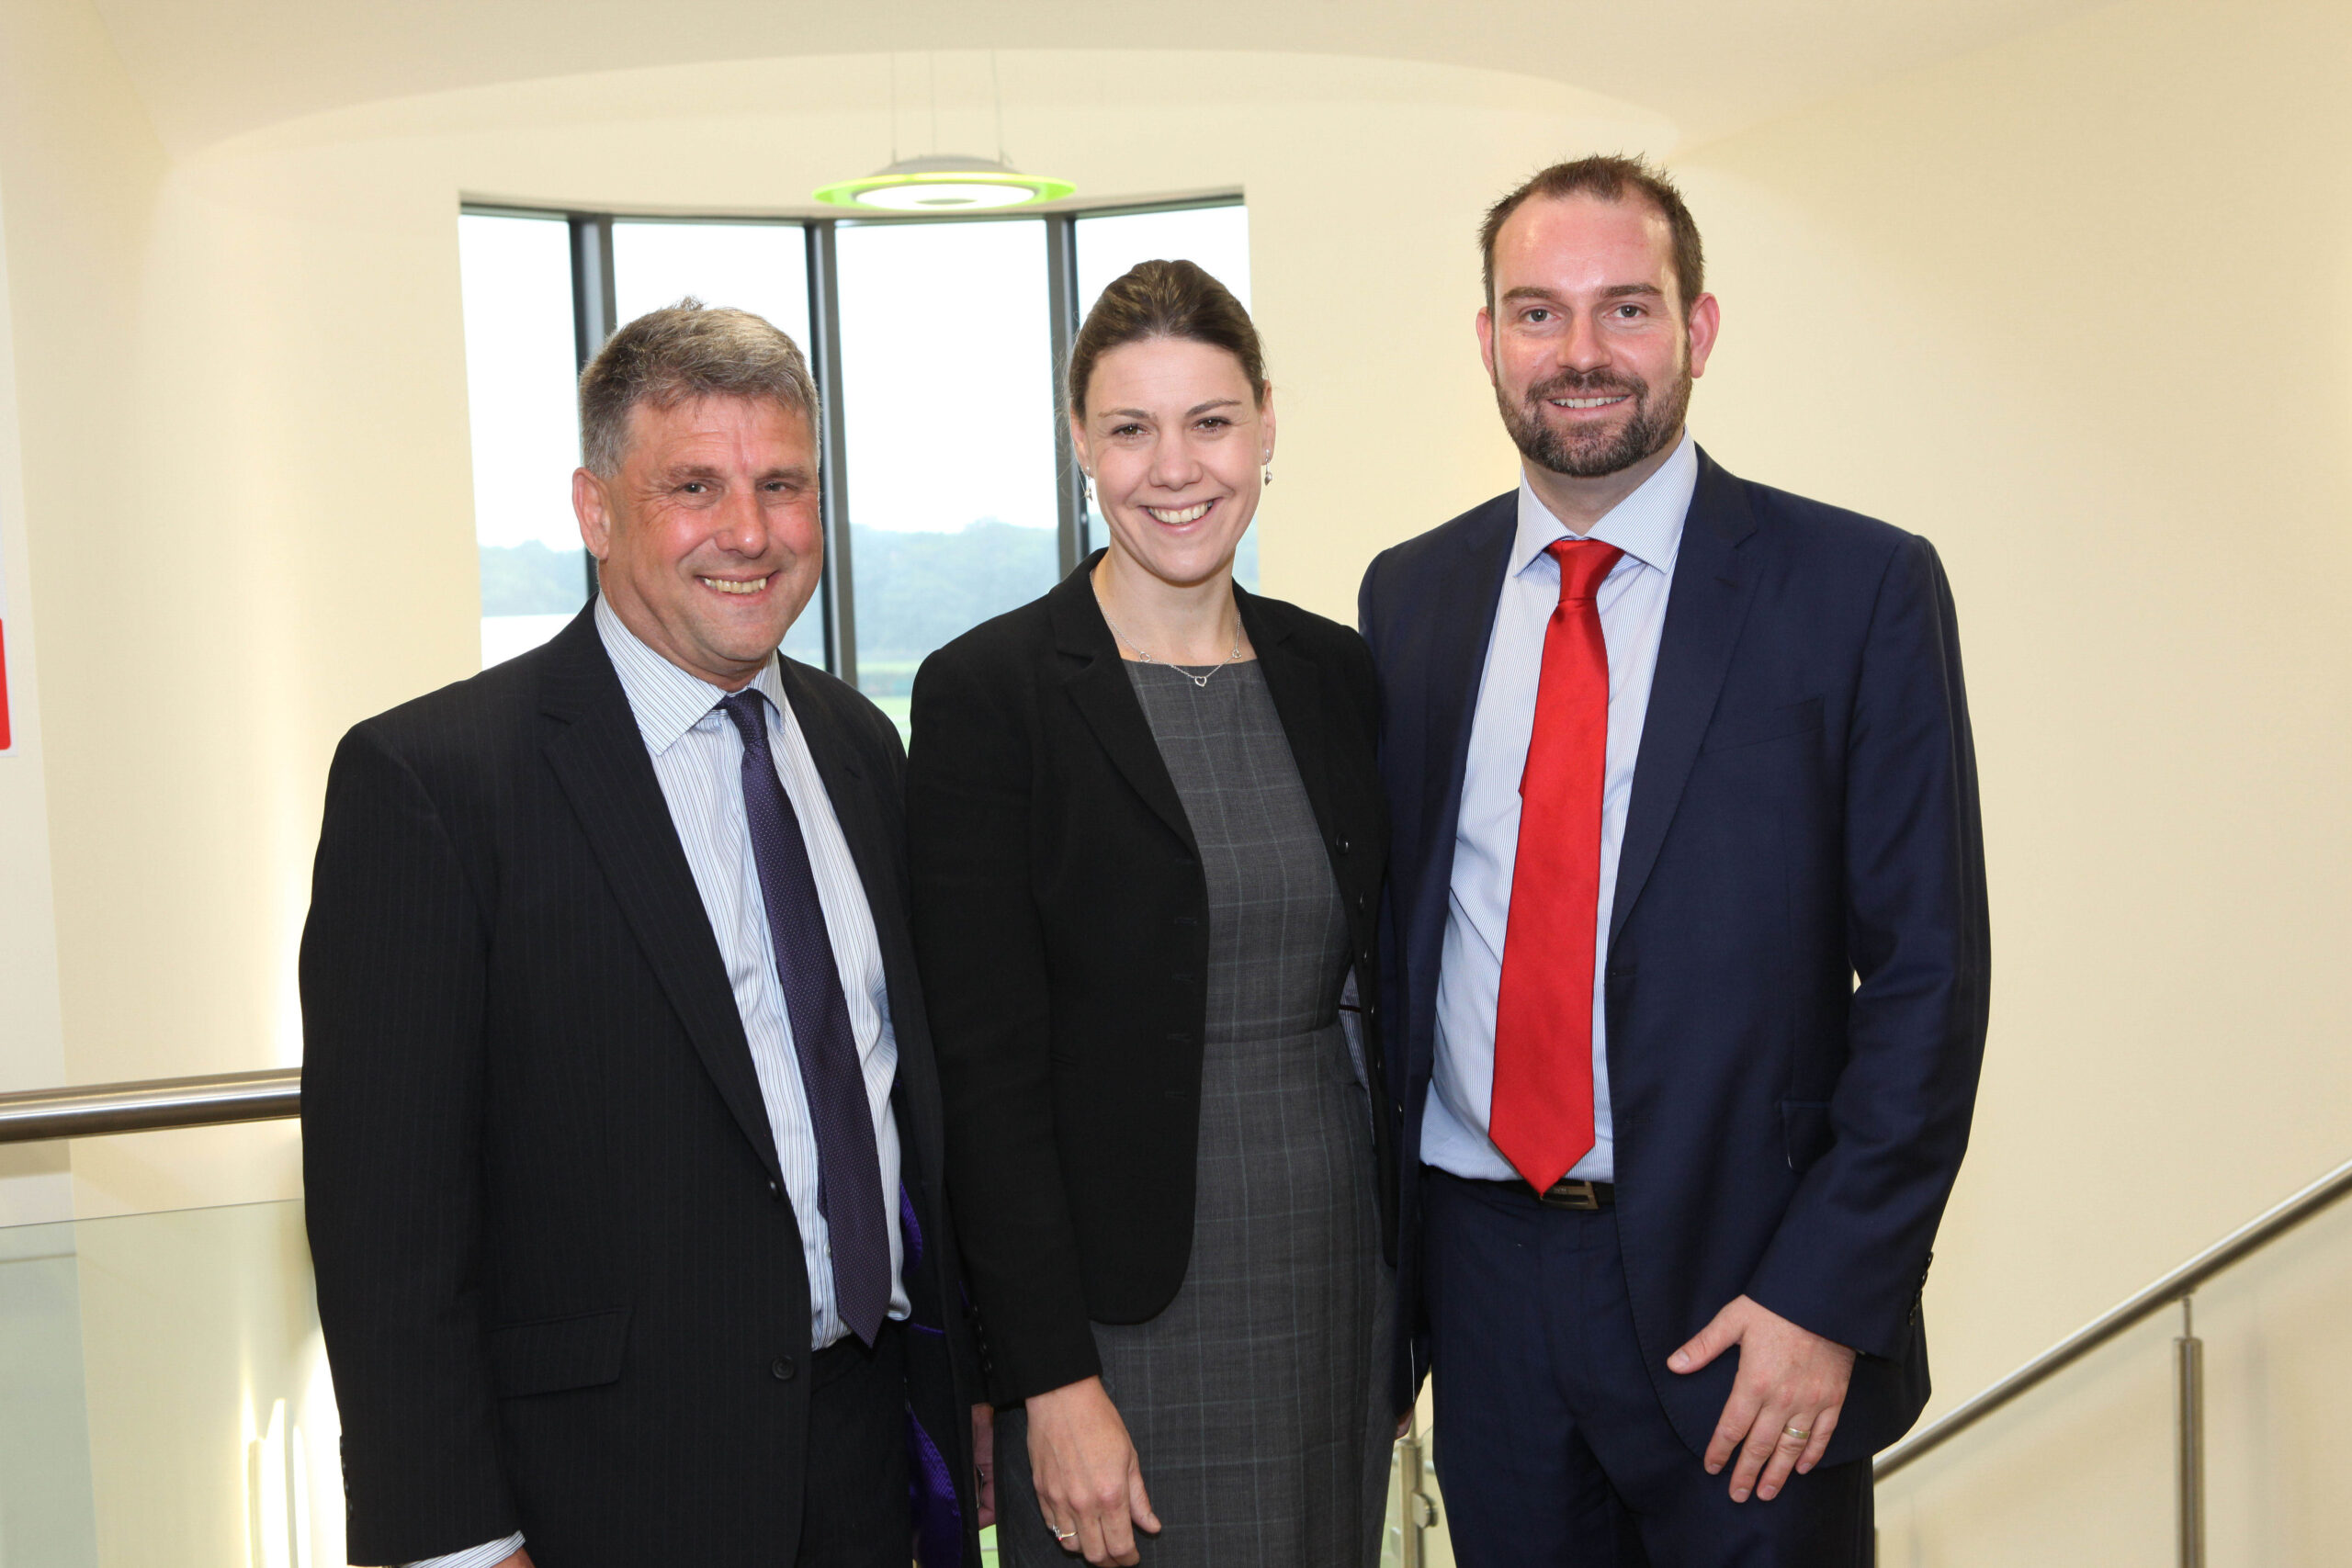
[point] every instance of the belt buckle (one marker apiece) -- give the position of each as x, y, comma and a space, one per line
1567, 1194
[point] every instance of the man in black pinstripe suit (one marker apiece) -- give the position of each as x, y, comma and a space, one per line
621, 1132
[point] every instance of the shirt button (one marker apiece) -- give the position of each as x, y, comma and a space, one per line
782, 1368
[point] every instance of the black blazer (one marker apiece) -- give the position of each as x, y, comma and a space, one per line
560, 1288
1062, 916
1799, 962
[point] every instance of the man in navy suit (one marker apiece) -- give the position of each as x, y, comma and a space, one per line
1689, 954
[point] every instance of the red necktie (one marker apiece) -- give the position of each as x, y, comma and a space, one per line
1541, 1114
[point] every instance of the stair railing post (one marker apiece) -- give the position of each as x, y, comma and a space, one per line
1415, 1510
2189, 1433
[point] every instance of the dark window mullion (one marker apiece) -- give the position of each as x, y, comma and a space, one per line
825, 365
594, 306
1061, 287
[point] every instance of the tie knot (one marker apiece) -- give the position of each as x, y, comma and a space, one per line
751, 718
1583, 564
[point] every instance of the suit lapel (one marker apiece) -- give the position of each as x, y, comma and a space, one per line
1714, 585
875, 848
1457, 621
599, 758
1107, 701
852, 793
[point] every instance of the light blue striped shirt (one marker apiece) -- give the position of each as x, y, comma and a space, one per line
698, 757
1647, 525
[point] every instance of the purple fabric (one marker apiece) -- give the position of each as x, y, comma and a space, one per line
910, 1228
849, 1165
931, 1494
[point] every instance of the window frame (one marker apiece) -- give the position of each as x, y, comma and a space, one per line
594, 307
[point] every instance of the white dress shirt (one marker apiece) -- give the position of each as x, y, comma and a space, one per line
1647, 525
698, 757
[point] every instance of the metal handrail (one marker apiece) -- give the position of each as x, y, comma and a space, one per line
163, 1103
153, 1106
2174, 1288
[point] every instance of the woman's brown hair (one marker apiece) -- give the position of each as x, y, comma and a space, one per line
1164, 299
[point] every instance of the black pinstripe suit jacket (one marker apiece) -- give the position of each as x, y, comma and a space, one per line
561, 1290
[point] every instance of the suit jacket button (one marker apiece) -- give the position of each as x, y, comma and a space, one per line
782, 1368
775, 1191
1341, 845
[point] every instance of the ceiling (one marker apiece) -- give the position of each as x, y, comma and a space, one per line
214, 70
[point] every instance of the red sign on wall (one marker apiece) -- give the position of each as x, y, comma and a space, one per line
5, 739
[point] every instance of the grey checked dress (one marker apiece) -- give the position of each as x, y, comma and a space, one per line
1251, 1398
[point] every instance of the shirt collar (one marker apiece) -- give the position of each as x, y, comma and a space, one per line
1647, 524
666, 701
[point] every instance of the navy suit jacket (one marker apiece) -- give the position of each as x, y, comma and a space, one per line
1797, 970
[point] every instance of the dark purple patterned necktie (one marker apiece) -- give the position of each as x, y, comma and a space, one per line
849, 1168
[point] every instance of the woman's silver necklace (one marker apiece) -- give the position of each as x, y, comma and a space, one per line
1147, 659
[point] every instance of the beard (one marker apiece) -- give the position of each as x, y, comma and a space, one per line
1590, 454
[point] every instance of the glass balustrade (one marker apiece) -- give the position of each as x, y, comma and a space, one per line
164, 1399
165, 1393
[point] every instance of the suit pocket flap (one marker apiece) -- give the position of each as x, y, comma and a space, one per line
552, 1353
1772, 724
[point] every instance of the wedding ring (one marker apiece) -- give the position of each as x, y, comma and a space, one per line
1065, 1537
1794, 1430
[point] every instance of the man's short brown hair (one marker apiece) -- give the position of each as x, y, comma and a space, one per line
678, 355
1610, 177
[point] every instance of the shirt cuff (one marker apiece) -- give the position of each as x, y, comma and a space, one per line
485, 1556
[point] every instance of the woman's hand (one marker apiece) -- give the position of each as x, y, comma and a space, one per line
1090, 1484
984, 1461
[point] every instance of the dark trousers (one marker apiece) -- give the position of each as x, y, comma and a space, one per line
1551, 1445
855, 1511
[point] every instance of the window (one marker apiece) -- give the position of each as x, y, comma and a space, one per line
520, 368
950, 493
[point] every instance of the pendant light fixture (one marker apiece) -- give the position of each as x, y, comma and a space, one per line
943, 181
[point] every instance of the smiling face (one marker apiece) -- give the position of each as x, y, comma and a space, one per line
708, 539
1175, 437
1587, 343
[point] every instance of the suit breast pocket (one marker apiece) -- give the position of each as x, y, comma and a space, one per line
549, 1354
1731, 731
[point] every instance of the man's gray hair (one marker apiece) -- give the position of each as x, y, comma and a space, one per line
681, 353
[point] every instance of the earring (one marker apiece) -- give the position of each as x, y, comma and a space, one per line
1090, 488
1268, 478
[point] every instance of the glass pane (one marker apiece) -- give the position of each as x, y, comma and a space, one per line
167, 1393
759, 267
521, 386
947, 392
1217, 238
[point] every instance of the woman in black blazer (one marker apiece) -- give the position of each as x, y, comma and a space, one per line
1147, 840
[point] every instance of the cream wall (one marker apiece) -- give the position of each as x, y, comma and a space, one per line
34, 1184
2079, 309
2076, 306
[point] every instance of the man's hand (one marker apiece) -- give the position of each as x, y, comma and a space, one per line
1784, 1403
984, 1461
1090, 1484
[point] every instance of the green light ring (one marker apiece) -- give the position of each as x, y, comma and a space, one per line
845, 193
